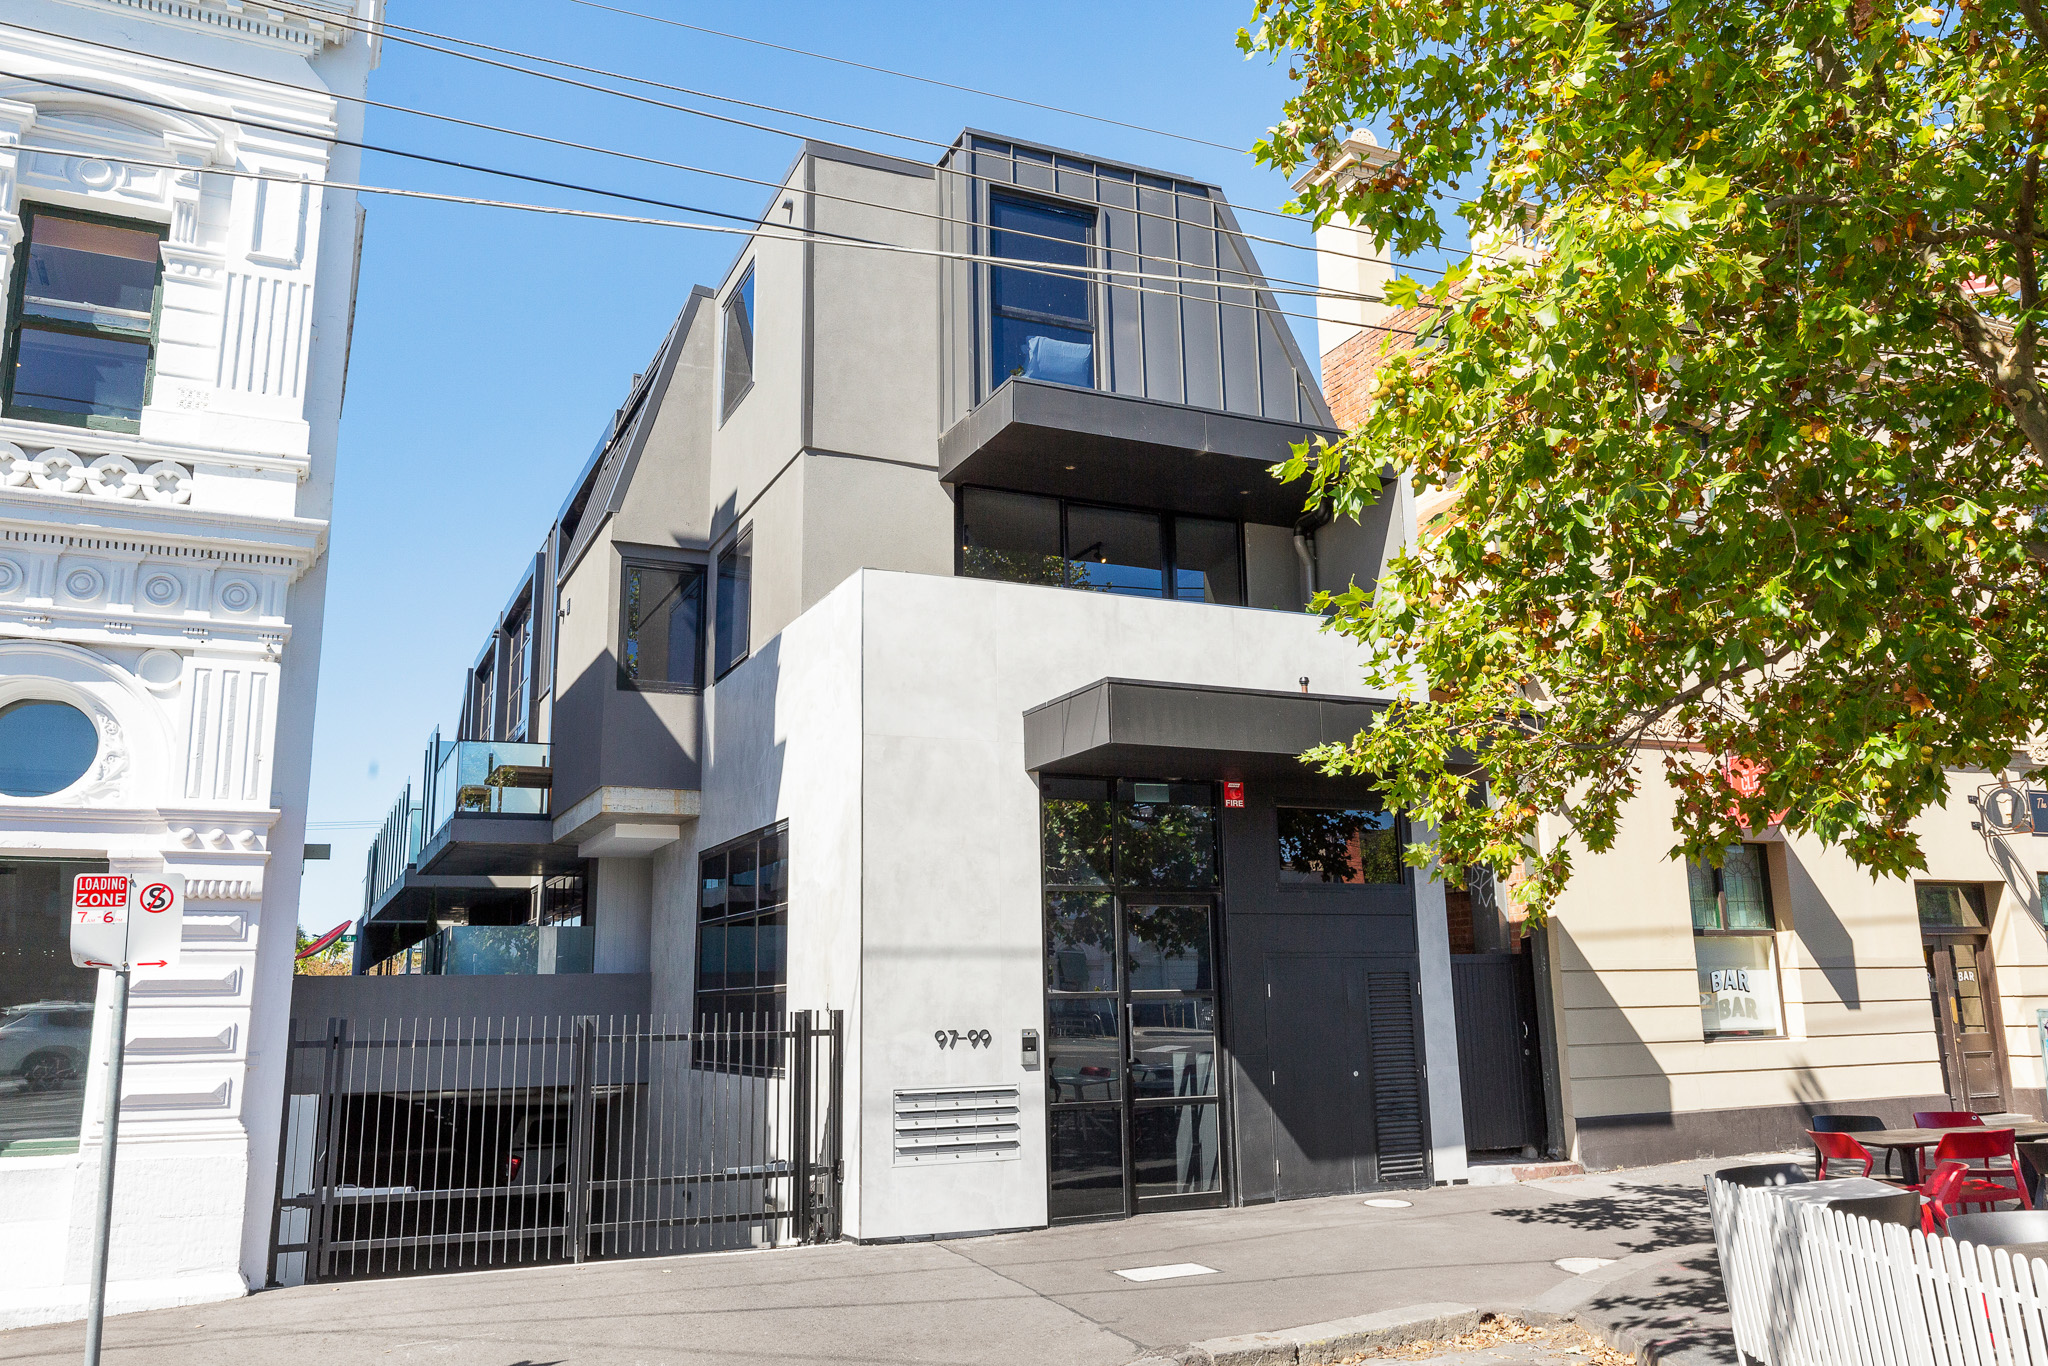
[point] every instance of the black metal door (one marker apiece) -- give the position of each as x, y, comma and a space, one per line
1345, 1074
1500, 1055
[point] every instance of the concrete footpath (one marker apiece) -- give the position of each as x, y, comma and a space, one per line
1628, 1254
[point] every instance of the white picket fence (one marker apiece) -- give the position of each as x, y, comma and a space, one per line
1811, 1286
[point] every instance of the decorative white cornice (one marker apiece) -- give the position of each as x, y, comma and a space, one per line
254, 21
87, 522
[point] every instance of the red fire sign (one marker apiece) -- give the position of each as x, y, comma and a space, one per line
1233, 794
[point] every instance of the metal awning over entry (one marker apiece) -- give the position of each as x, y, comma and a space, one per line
1182, 730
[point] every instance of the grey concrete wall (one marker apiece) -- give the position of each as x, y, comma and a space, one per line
1350, 551
874, 352
871, 514
668, 500
366, 1001
1272, 571
621, 893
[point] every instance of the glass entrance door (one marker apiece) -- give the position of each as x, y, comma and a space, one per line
1131, 1021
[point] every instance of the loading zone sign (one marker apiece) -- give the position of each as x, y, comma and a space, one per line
123, 922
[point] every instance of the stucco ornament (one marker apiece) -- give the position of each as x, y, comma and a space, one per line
57, 470
16, 465
113, 476
166, 482
110, 770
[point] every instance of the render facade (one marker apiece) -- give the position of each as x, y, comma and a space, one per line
179, 300
952, 585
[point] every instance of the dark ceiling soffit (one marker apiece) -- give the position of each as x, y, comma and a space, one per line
506, 846
1127, 450
1113, 724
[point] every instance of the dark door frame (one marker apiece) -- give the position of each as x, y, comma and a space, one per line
1939, 944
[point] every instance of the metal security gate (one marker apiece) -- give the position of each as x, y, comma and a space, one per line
1500, 1067
450, 1144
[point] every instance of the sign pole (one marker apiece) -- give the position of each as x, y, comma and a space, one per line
103, 1213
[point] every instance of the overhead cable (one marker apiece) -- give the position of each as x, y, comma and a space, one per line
913, 76
769, 231
1254, 279
380, 30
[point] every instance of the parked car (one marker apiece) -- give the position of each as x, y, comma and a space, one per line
45, 1043
539, 1151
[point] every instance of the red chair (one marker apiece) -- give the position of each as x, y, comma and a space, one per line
1947, 1119
1939, 1192
1983, 1184
1839, 1148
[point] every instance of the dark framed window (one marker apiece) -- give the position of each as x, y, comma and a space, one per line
484, 699
738, 374
661, 627
743, 948
518, 676
1041, 322
82, 319
1338, 846
1032, 538
735, 602
46, 1009
1735, 945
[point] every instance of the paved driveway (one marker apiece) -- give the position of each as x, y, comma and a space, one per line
1047, 1298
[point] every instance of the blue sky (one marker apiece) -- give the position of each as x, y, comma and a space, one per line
490, 346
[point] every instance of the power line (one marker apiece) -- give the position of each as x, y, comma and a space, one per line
1110, 275
380, 30
1254, 279
912, 76
769, 231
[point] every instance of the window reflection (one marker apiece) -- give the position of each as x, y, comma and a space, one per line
46, 1009
1077, 832
1350, 846
1083, 1055
1113, 551
1168, 948
1175, 1151
1166, 835
1080, 928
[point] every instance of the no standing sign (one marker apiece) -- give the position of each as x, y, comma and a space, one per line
124, 922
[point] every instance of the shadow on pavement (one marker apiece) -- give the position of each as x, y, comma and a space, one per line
1652, 1218
1681, 1311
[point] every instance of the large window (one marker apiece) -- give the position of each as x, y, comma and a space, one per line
518, 679
1324, 846
742, 938
735, 601
739, 345
83, 320
1028, 538
661, 633
1735, 944
46, 1009
1041, 323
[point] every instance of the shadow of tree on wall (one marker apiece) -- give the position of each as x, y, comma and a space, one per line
1649, 1218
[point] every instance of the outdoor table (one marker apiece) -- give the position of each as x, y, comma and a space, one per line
1908, 1143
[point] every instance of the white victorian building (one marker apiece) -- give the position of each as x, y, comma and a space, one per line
178, 305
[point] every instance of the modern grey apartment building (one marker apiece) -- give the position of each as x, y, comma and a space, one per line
925, 641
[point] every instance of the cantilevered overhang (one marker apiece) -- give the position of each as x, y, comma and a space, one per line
1112, 448
1181, 730
412, 899
504, 845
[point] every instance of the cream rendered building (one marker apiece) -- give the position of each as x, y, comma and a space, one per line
176, 339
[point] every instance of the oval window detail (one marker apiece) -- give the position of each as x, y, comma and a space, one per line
45, 747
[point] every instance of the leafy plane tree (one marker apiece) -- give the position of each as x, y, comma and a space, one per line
1749, 440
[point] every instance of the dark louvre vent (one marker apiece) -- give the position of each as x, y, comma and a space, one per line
1396, 1080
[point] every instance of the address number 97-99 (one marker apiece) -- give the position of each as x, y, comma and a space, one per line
953, 1038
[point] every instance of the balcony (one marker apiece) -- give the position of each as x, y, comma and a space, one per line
500, 951
489, 811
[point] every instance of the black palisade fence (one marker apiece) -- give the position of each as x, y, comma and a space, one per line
451, 1144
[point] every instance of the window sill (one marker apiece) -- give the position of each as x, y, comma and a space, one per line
38, 1150
638, 685
50, 417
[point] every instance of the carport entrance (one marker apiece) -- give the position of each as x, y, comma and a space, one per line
454, 1144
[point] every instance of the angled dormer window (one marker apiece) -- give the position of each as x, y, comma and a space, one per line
83, 317
739, 345
1041, 323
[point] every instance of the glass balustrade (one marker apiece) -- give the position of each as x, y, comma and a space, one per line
487, 778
